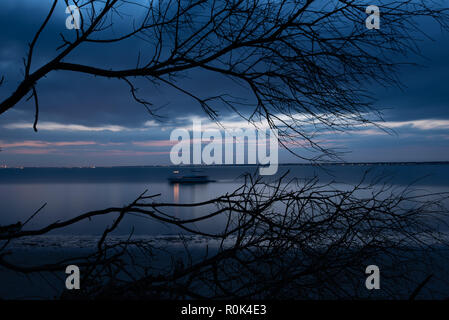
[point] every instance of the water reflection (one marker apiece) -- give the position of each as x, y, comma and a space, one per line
176, 192
68, 197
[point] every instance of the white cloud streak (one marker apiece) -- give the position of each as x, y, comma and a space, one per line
55, 126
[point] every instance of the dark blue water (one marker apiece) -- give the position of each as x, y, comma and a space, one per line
72, 191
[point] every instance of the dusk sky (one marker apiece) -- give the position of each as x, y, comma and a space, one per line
93, 121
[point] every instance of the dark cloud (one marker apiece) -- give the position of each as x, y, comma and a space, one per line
70, 98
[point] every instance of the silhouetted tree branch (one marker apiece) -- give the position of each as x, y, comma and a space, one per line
306, 63
283, 239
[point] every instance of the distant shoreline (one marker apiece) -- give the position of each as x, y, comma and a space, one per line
317, 164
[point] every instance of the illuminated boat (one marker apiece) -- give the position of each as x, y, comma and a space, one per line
189, 179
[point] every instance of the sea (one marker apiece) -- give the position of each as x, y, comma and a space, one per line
68, 192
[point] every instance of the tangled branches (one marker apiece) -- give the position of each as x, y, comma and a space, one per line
282, 239
301, 63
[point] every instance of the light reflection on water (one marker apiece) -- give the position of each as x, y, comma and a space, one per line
176, 192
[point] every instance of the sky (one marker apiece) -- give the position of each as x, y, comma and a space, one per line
86, 121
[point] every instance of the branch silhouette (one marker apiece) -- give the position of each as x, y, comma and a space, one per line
291, 236
305, 64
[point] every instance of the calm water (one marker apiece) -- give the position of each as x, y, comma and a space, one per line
72, 191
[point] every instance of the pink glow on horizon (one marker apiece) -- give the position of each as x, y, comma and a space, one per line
44, 144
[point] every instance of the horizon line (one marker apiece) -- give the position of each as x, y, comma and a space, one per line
235, 165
